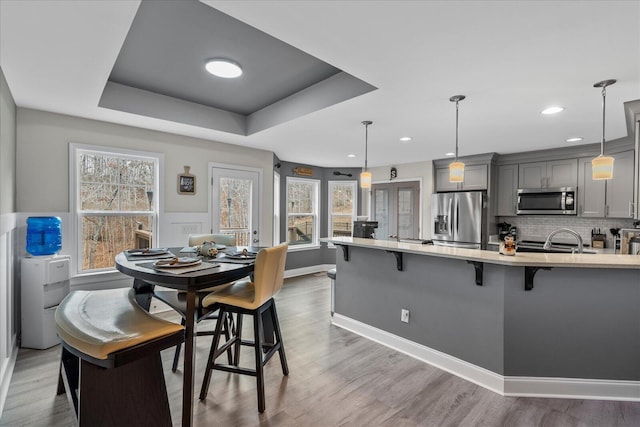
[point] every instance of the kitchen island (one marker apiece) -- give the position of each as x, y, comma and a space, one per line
555, 325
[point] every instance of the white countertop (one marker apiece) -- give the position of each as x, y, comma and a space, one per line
521, 259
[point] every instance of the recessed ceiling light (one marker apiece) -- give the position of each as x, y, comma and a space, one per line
224, 68
552, 110
576, 139
406, 139
351, 155
450, 154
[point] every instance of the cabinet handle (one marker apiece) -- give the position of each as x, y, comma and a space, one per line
631, 210
606, 210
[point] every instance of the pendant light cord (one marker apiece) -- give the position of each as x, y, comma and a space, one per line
366, 124
604, 97
457, 131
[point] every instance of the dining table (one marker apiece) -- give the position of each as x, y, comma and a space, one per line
210, 272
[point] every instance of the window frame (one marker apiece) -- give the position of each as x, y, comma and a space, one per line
330, 214
75, 151
315, 214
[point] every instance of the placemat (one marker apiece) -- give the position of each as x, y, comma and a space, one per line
203, 266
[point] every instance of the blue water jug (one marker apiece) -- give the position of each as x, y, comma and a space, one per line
44, 235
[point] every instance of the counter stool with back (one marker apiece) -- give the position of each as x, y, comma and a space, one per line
253, 298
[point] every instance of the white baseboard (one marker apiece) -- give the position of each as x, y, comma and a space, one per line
307, 270
5, 376
569, 388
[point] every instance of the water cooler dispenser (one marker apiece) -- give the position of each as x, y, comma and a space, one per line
44, 284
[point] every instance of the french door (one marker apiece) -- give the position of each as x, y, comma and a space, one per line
396, 207
235, 204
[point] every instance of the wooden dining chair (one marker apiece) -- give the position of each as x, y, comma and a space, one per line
177, 299
252, 298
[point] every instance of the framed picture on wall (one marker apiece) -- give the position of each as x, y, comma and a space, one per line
186, 182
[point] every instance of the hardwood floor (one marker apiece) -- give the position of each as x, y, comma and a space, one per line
336, 378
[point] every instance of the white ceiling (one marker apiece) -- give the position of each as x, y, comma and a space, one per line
510, 59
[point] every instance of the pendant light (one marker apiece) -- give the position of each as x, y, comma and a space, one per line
456, 168
365, 176
602, 166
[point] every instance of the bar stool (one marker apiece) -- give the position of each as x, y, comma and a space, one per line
111, 366
252, 298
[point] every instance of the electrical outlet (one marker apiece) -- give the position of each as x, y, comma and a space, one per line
404, 315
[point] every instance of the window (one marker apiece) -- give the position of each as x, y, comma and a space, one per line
114, 203
342, 207
302, 212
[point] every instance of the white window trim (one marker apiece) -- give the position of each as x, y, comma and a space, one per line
330, 185
315, 239
158, 201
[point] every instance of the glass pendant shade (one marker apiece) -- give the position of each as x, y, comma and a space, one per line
365, 179
456, 172
602, 167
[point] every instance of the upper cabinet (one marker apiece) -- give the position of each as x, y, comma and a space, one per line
550, 174
507, 190
475, 178
607, 198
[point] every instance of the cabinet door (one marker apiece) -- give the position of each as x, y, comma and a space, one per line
620, 188
591, 193
507, 190
532, 175
562, 173
475, 177
442, 180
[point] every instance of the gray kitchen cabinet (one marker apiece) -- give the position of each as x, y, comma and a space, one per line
607, 198
475, 178
507, 190
555, 173
620, 187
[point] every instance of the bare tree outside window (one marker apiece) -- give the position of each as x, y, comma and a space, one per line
342, 207
302, 211
235, 209
115, 206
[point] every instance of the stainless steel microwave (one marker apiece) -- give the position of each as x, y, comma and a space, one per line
547, 201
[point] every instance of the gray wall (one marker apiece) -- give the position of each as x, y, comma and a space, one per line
9, 262
7, 148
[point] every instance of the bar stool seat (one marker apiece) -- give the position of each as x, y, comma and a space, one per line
111, 366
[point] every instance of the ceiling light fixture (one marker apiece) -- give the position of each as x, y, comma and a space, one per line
365, 176
351, 155
456, 168
602, 166
576, 139
406, 139
224, 68
552, 110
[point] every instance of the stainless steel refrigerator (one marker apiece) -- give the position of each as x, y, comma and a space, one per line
457, 219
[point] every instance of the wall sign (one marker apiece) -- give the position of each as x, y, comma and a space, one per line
186, 182
394, 173
300, 171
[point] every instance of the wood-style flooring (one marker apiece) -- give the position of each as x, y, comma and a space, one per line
336, 378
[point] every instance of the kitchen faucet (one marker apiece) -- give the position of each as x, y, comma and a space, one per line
547, 243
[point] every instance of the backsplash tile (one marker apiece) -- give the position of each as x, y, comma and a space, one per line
538, 227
